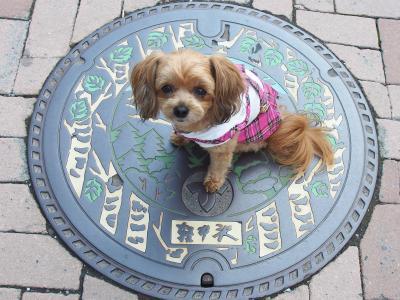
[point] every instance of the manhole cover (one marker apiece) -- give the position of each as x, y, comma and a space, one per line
132, 206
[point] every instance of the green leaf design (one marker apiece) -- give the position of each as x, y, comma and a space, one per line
79, 110
319, 189
93, 189
297, 67
247, 44
334, 143
311, 90
122, 54
167, 159
156, 39
194, 159
250, 244
93, 83
272, 57
193, 41
114, 134
316, 108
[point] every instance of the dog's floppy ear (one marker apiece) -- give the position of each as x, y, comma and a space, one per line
143, 79
229, 85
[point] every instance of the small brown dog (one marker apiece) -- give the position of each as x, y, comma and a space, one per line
224, 109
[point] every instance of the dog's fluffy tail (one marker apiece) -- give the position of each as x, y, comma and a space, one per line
295, 143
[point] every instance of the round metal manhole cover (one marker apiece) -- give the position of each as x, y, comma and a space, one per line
132, 206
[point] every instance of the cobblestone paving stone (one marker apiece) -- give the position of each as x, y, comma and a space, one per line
390, 37
131, 5
9, 294
394, 95
382, 8
49, 296
335, 28
278, 7
48, 37
378, 97
340, 279
365, 64
380, 254
12, 35
94, 288
18, 9
316, 5
299, 293
389, 137
13, 166
19, 210
364, 34
390, 191
32, 73
13, 113
93, 14
36, 260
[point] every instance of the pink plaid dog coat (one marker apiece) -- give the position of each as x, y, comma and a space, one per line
257, 119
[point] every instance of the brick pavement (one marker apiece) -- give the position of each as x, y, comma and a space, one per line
93, 14
94, 288
334, 28
343, 276
364, 34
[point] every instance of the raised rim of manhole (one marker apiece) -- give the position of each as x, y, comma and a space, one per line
131, 205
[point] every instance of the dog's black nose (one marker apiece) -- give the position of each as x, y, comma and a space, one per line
181, 111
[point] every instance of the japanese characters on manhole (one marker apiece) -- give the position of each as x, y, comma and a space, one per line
139, 201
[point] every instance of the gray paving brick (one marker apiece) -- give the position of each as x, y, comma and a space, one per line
340, 279
236, 1
13, 166
32, 73
389, 138
317, 5
13, 113
49, 296
16, 9
19, 210
390, 182
380, 254
394, 94
335, 28
37, 260
365, 64
174, 1
278, 7
299, 293
9, 294
378, 96
94, 288
389, 31
12, 33
93, 14
51, 28
382, 8
131, 5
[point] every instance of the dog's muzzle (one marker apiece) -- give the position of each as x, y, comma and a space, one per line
181, 111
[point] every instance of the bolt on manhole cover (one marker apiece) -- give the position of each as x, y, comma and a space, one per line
132, 206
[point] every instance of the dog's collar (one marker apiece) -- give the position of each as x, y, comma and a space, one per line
249, 110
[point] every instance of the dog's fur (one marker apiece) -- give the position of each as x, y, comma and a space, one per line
293, 144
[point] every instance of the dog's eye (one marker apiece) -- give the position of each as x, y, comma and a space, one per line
167, 89
199, 91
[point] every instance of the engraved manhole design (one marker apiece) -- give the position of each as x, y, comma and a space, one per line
132, 206
201, 203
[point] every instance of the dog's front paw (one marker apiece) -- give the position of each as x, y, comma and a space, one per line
213, 184
178, 140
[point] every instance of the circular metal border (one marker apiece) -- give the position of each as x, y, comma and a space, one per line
138, 282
